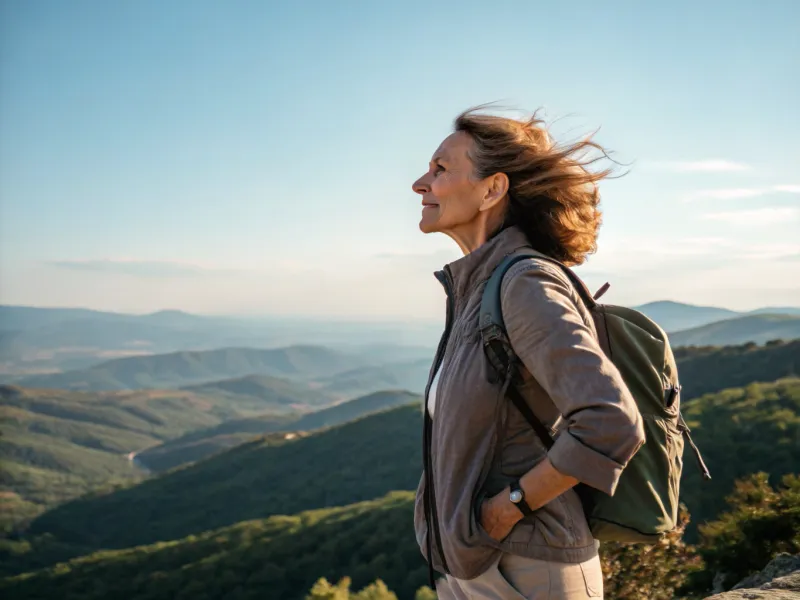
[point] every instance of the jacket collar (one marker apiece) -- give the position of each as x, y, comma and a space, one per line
468, 271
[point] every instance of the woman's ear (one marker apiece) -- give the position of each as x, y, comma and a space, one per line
496, 190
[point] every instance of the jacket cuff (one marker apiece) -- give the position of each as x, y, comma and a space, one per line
571, 457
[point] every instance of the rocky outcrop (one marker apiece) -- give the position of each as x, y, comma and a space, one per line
780, 580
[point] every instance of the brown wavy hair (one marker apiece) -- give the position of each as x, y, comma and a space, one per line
553, 195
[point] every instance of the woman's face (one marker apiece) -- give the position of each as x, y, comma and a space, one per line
451, 197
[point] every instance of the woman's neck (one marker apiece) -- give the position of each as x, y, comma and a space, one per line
472, 236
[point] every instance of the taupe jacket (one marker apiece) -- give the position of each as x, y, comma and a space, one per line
478, 441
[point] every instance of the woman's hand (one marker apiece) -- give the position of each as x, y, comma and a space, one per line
499, 515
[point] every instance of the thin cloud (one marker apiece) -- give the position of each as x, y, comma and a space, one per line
755, 217
142, 268
738, 193
715, 165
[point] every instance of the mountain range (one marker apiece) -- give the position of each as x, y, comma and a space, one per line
677, 316
178, 369
373, 455
759, 329
702, 370
316, 372
232, 517
44, 340
36, 341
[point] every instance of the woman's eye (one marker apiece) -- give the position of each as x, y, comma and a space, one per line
438, 169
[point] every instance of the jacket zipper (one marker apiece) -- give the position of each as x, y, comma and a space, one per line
431, 518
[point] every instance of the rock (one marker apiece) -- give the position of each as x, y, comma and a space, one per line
781, 565
780, 580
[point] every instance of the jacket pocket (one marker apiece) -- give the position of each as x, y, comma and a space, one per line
481, 536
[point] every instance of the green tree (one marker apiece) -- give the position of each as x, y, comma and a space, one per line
425, 593
760, 523
324, 590
375, 591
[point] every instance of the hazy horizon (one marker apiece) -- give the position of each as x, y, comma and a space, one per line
344, 319
257, 159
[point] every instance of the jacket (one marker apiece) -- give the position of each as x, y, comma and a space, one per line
478, 442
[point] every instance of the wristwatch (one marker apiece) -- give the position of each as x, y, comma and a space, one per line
517, 497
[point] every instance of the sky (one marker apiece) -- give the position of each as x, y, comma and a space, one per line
256, 157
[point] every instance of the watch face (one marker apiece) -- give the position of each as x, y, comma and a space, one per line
516, 496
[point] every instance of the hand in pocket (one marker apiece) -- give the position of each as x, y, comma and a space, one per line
498, 516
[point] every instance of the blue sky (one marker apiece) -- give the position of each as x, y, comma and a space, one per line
257, 157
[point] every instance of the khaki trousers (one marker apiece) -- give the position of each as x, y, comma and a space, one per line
519, 578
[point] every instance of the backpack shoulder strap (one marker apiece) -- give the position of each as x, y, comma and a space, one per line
497, 346
491, 314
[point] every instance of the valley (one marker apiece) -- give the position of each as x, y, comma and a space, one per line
226, 471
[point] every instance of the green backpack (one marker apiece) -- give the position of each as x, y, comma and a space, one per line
644, 506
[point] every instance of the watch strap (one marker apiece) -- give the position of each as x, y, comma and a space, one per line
522, 505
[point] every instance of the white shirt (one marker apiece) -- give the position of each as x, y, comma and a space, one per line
432, 392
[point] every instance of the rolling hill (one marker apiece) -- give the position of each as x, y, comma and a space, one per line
275, 391
408, 375
180, 369
367, 545
754, 328
739, 431
702, 370
45, 340
675, 316
278, 558
707, 369
200, 444
357, 461
57, 444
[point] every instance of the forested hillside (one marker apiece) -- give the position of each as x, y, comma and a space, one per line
282, 557
277, 558
702, 370
58, 444
707, 369
358, 461
757, 328
203, 443
739, 431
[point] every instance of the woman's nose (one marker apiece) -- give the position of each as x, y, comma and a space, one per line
420, 185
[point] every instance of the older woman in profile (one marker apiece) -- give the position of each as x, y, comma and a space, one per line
496, 512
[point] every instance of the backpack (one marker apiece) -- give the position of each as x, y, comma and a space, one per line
644, 506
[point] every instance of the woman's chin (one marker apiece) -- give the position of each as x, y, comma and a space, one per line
427, 225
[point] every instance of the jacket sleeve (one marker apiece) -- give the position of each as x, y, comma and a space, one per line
604, 428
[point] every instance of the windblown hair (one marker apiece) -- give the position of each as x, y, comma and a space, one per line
553, 195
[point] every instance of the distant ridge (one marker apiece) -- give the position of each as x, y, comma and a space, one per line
177, 369
673, 316
35, 341
758, 328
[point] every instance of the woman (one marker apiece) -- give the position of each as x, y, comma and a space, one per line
497, 186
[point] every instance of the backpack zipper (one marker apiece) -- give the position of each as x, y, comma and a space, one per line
429, 498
